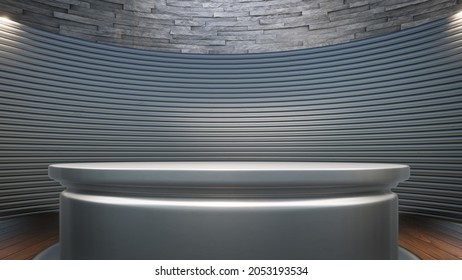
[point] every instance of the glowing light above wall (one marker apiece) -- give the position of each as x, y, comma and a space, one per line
4, 19
7, 22
458, 15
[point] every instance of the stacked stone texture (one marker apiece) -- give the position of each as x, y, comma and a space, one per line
225, 26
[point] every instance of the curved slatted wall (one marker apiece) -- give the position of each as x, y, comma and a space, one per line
395, 98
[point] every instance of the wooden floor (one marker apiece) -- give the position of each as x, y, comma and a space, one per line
429, 239
23, 238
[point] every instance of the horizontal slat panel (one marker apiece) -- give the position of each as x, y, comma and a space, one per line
392, 99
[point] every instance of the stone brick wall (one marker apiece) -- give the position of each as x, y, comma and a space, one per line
225, 26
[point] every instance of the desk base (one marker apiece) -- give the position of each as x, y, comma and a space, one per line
53, 253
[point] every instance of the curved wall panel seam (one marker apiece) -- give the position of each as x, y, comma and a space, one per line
56, 108
425, 58
134, 79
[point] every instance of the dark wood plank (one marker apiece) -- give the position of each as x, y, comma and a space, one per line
25, 240
430, 238
416, 251
24, 237
14, 231
433, 233
417, 241
31, 251
447, 225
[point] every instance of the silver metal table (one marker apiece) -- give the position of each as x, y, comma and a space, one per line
229, 210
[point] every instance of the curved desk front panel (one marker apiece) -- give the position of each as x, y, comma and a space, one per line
229, 210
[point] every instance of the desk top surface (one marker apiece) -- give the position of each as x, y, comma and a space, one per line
230, 174
229, 166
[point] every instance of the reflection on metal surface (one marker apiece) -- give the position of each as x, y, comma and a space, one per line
206, 203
